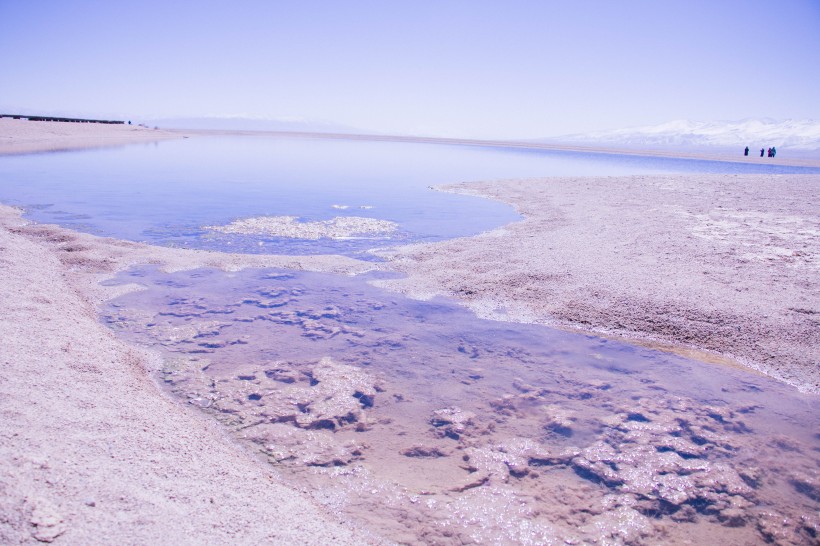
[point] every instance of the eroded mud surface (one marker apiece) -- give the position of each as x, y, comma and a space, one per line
427, 425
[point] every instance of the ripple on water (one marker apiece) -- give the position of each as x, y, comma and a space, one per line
428, 425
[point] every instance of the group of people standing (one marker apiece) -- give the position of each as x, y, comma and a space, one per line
771, 152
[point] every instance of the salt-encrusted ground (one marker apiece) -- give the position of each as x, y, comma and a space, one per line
724, 263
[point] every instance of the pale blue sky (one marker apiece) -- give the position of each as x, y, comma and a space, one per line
507, 69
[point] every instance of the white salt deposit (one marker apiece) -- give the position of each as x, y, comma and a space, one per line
339, 227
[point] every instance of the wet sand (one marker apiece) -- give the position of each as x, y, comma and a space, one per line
719, 263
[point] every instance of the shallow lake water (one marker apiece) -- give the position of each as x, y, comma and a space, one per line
166, 192
426, 425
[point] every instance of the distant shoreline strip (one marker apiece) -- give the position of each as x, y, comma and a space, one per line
514, 144
69, 120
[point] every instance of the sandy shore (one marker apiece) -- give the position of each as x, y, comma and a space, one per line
724, 264
94, 452
23, 136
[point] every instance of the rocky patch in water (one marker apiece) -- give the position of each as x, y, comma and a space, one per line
434, 436
650, 465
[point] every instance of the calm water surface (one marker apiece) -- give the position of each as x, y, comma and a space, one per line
426, 425
164, 193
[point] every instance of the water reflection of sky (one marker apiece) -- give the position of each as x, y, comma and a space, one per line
163, 193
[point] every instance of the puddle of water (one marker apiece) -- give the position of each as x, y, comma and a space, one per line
427, 425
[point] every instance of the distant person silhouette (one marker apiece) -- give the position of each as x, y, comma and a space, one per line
761, 152
774, 151
746, 151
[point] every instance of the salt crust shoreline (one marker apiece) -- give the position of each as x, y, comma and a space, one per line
94, 452
714, 266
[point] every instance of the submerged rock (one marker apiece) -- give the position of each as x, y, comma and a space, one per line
621, 525
807, 484
292, 409
559, 420
338, 397
452, 422
425, 452
287, 444
784, 530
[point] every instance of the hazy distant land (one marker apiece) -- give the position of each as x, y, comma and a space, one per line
19, 136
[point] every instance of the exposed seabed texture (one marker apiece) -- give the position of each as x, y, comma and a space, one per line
427, 425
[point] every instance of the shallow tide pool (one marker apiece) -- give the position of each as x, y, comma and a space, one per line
424, 424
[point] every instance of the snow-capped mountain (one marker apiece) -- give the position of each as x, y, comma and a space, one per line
792, 134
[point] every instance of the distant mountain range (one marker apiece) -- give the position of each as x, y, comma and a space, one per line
791, 134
